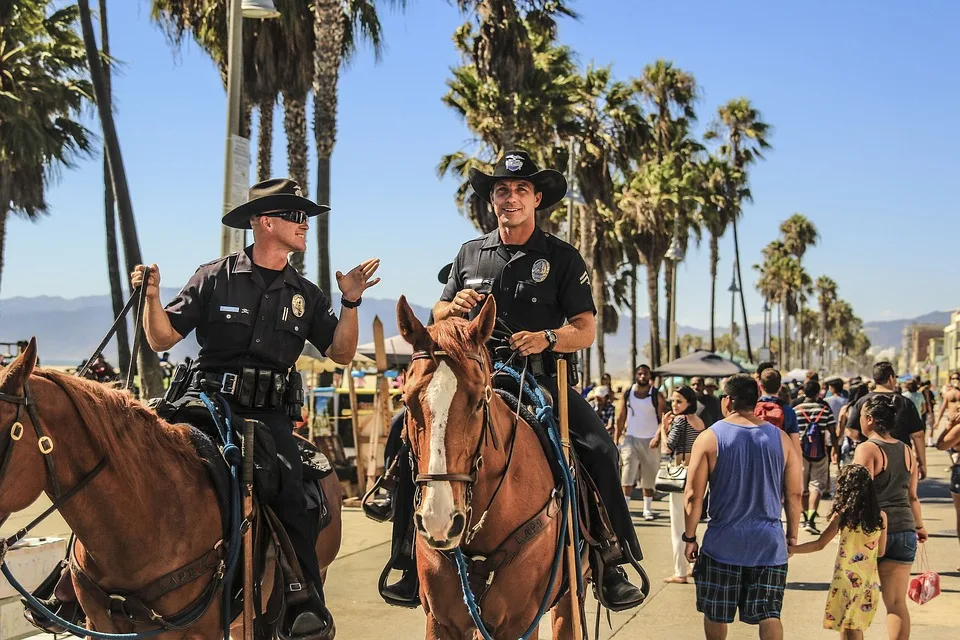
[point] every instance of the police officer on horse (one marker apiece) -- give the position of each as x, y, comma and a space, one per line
252, 313
542, 290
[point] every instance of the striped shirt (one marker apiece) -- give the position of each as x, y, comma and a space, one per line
808, 412
681, 436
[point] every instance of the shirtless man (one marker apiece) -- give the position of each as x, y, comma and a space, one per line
951, 400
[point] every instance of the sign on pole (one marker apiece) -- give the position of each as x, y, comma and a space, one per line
239, 167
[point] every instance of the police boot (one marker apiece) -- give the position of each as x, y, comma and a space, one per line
306, 617
618, 594
57, 594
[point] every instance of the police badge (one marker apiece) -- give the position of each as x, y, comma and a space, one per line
298, 304
541, 269
513, 163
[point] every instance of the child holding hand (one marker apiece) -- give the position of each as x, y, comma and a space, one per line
854, 591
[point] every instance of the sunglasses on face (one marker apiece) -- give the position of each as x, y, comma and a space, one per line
296, 217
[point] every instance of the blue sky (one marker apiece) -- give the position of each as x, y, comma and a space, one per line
860, 96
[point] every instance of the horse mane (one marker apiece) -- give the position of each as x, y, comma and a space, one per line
453, 337
129, 434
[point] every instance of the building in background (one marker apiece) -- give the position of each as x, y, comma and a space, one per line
951, 345
915, 351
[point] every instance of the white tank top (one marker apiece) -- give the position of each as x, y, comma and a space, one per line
641, 415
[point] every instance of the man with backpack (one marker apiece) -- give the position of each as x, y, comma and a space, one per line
817, 425
771, 409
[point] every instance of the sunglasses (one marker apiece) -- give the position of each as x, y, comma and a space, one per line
296, 217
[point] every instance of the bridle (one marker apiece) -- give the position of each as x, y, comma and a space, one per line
12, 436
476, 461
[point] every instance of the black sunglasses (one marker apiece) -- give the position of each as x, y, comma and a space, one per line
296, 217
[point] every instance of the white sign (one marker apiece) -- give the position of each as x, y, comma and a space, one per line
235, 239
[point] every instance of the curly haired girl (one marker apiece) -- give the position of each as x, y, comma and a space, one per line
854, 592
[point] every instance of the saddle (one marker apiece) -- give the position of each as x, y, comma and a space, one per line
271, 542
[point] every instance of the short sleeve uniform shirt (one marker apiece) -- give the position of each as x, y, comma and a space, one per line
242, 322
539, 285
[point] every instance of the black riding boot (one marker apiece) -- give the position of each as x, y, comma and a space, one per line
618, 592
379, 502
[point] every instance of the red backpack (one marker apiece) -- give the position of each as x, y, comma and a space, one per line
770, 411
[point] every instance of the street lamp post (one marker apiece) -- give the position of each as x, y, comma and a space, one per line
236, 178
675, 255
734, 290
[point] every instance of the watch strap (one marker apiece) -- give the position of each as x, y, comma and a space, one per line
351, 305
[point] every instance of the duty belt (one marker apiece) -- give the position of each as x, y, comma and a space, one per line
249, 387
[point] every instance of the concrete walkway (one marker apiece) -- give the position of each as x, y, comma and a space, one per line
670, 611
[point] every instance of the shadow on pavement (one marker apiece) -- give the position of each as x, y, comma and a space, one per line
936, 488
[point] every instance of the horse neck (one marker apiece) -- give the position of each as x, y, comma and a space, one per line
526, 489
118, 527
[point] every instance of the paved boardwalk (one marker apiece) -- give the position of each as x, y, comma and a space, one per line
669, 611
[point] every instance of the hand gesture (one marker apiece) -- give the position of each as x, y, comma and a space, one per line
465, 300
153, 285
357, 280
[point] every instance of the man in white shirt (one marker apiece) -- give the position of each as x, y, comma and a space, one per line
638, 424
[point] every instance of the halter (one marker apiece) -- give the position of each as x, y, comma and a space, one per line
45, 443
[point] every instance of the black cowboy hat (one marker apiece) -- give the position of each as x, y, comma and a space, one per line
444, 274
517, 165
272, 196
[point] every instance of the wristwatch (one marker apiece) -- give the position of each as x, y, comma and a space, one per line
551, 339
683, 536
350, 305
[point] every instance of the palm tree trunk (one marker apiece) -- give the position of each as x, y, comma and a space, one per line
780, 359
151, 378
653, 294
328, 32
600, 300
743, 301
633, 318
110, 218
587, 250
265, 141
4, 203
295, 126
714, 261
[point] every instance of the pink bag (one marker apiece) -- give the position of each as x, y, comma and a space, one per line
924, 586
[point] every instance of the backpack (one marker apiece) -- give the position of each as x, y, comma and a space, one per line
770, 411
813, 444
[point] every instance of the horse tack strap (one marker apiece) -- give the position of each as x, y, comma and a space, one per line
482, 568
132, 607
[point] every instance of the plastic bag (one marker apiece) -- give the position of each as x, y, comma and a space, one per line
924, 586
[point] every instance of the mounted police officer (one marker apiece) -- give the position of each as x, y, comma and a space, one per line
252, 313
542, 290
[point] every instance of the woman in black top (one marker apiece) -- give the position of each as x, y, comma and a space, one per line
893, 466
679, 428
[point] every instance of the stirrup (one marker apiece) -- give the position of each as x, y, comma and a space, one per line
69, 611
387, 482
382, 586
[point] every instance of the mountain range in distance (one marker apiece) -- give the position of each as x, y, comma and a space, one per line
68, 329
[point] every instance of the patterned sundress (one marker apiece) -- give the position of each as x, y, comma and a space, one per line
855, 591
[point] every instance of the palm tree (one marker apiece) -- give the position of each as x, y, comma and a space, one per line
539, 115
744, 137
110, 215
151, 378
826, 296
43, 88
799, 234
339, 26
670, 92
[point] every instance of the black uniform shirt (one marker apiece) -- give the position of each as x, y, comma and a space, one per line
240, 322
538, 286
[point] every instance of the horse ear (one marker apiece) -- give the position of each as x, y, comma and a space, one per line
482, 326
410, 326
22, 367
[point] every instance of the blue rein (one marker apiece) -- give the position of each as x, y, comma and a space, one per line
568, 508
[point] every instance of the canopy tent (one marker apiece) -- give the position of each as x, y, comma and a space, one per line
700, 363
399, 351
796, 375
312, 360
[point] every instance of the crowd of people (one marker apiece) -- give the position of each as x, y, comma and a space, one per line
754, 462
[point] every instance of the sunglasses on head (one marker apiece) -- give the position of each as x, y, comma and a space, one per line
296, 217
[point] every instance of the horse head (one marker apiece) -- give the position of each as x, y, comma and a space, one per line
22, 473
447, 394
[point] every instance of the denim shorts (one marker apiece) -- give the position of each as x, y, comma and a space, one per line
901, 547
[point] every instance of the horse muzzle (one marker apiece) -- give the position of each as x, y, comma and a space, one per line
437, 517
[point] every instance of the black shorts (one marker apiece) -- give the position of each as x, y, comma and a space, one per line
955, 480
723, 588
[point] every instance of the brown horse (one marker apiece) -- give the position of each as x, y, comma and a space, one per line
484, 485
150, 511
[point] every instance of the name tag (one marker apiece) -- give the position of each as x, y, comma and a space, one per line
472, 282
233, 309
